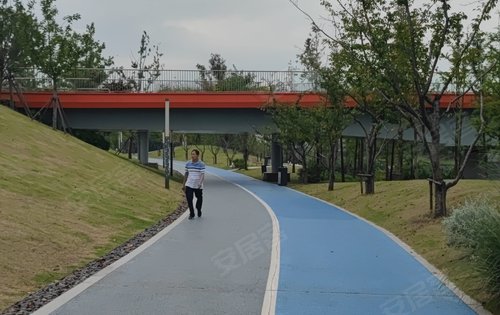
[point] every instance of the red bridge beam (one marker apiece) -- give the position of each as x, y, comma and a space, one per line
192, 100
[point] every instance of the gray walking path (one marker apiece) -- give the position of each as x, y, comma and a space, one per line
186, 271
329, 262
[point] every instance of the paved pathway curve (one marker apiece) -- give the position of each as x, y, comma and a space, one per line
330, 262
216, 264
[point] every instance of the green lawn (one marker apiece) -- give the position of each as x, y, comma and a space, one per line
402, 207
63, 203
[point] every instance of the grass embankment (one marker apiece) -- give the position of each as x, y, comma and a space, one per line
64, 203
402, 207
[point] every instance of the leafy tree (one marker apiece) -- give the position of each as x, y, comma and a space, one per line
216, 72
297, 128
332, 117
217, 66
492, 118
491, 88
62, 49
19, 39
246, 144
237, 81
90, 73
144, 72
217, 77
213, 145
185, 141
228, 143
401, 43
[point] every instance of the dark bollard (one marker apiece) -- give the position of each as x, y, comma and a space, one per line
282, 176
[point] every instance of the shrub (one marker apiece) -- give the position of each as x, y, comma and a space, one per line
95, 138
315, 174
239, 163
423, 170
476, 226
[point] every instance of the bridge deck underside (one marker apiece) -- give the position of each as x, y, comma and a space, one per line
232, 121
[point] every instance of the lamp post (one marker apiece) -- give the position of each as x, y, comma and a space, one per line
166, 144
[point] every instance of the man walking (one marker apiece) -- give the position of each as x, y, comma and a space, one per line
193, 182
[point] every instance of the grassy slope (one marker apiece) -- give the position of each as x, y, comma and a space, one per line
402, 207
64, 203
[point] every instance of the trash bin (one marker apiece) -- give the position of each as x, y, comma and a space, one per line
282, 176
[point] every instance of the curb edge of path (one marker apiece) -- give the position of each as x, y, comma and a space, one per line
270, 295
76, 290
473, 304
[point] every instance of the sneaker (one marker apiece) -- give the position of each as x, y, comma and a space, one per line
199, 214
191, 217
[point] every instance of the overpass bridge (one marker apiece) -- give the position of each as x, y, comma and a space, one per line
200, 102
192, 112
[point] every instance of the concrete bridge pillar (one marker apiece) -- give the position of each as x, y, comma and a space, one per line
276, 158
143, 146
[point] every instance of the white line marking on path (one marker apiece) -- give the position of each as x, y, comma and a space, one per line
269, 303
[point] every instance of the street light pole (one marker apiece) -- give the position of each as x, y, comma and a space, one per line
166, 144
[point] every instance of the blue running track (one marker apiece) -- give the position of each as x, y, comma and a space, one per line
334, 263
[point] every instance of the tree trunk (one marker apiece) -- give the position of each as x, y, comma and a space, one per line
355, 169
387, 163
437, 176
370, 185
391, 172
342, 166
361, 158
440, 199
11, 93
130, 148
318, 153
414, 155
458, 141
331, 166
304, 178
185, 147
245, 158
54, 105
401, 159
400, 149
412, 161
370, 161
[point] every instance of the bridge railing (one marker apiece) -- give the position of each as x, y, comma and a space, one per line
135, 80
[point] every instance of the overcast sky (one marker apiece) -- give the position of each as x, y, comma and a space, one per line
251, 34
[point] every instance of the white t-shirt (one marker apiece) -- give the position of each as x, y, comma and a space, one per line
195, 174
